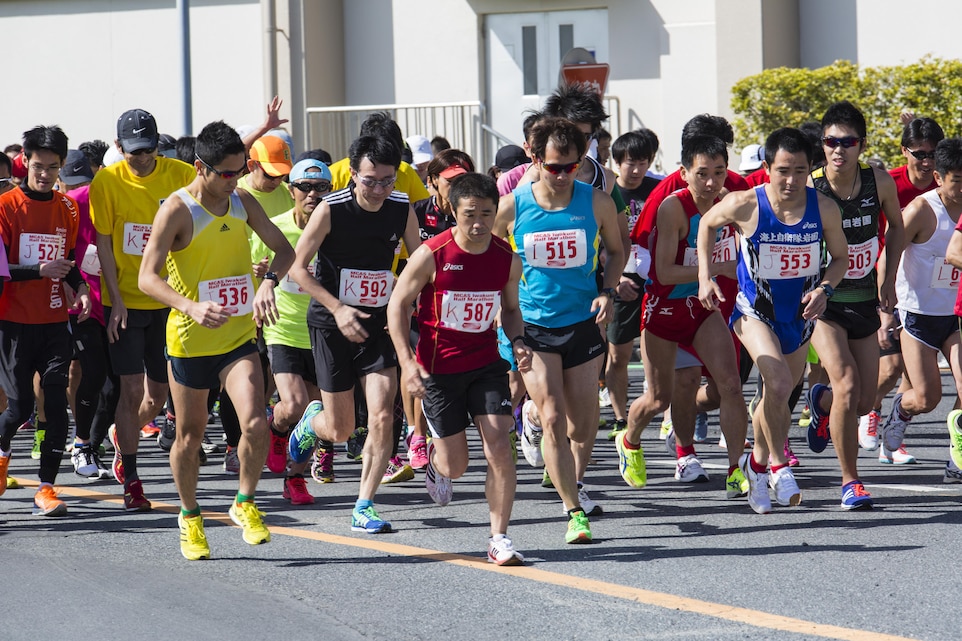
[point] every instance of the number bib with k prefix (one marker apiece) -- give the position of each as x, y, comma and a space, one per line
471, 312
365, 287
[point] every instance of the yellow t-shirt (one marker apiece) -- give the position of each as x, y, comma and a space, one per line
123, 206
215, 266
274, 202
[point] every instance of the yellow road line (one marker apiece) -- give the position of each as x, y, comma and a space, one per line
754, 618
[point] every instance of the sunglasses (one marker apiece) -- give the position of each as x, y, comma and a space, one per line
555, 168
922, 155
370, 182
846, 142
269, 176
226, 175
320, 188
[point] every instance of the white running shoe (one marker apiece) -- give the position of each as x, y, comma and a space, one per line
502, 552
868, 430
689, 470
785, 486
531, 438
758, 497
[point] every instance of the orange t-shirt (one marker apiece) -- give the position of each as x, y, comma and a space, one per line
34, 232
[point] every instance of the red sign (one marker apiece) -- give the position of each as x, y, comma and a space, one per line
594, 76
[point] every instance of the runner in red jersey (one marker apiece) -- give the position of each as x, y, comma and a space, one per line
464, 276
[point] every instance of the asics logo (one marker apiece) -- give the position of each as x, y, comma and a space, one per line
449, 267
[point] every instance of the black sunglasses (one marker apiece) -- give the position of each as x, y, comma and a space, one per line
226, 175
922, 155
320, 188
557, 168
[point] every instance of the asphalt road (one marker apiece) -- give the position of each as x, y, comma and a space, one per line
669, 561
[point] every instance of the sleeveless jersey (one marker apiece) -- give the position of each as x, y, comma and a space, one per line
925, 283
214, 266
431, 219
34, 232
559, 252
860, 222
456, 312
354, 261
904, 188
779, 263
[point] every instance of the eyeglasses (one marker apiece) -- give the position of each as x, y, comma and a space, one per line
270, 177
555, 168
142, 152
922, 155
320, 188
226, 175
846, 142
370, 182
40, 169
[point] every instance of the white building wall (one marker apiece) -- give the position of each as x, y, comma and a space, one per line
103, 57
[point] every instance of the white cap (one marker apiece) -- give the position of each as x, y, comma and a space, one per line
752, 157
420, 149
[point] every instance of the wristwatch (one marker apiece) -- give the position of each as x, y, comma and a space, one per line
828, 289
272, 276
609, 292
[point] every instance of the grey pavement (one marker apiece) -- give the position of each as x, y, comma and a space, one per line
669, 561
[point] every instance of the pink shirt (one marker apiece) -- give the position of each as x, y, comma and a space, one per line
86, 236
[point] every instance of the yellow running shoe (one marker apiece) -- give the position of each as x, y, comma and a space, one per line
249, 518
631, 463
665, 430
193, 541
12, 483
4, 466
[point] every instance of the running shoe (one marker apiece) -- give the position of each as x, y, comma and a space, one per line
579, 531
231, 461
952, 473
736, 485
546, 479
103, 472
723, 443
12, 484
898, 457
513, 440
84, 465
615, 426
418, 452
193, 541
785, 486
397, 471
207, 446
689, 469
368, 520
118, 465
439, 487
671, 443
502, 552
37, 441
805, 418
302, 440
604, 398
892, 431
631, 463
295, 491
665, 429
168, 433
134, 499
4, 467
46, 503
868, 430
150, 430
250, 519
322, 469
954, 423
855, 496
758, 497
277, 452
818, 435
701, 427
531, 438
790, 455
355, 443
591, 507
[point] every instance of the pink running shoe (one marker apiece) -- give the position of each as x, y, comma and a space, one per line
295, 491
418, 452
790, 456
277, 453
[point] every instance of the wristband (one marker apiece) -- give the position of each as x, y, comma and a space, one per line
609, 292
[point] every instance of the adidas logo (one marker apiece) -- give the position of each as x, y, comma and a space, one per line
224, 227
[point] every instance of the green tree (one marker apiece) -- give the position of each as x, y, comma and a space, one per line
781, 97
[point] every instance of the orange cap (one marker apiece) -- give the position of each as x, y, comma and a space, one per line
273, 154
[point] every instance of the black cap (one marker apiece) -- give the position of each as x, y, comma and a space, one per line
76, 169
136, 130
509, 157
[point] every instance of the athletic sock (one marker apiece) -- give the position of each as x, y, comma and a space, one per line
360, 504
775, 468
244, 498
130, 466
190, 513
757, 468
629, 446
684, 450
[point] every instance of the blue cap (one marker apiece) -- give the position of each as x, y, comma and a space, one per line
310, 168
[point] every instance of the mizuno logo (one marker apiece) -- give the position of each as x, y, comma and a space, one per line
224, 227
137, 131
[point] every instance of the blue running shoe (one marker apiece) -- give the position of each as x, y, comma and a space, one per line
701, 427
368, 520
301, 443
855, 496
818, 435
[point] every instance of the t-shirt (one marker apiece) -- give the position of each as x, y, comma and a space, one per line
292, 302
35, 232
123, 206
274, 202
86, 252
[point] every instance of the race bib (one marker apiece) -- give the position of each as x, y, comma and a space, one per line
365, 288
726, 248
634, 260
135, 237
556, 249
91, 261
40, 248
861, 259
236, 293
944, 275
777, 262
471, 312
288, 285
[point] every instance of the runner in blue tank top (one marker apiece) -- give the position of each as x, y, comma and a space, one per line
774, 337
